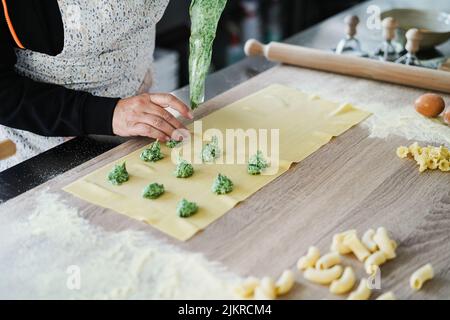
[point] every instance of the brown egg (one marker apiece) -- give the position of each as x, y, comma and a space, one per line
430, 105
447, 116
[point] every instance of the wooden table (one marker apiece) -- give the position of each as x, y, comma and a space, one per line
354, 182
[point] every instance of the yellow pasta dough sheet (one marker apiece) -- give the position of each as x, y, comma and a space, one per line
304, 124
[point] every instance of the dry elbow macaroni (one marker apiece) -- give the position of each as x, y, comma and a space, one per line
260, 294
428, 158
247, 288
309, 260
420, 276
403, 152
367, 240
444, 165
329, 260
387, 296
266, 290
414, 149
323, 276
359, 250
345, 283
375, 248
374, 261
285, 283
338, 242
363, 291
394, 244
386, 245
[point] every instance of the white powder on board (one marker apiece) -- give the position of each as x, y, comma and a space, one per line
407, 123
392, 106
37, 253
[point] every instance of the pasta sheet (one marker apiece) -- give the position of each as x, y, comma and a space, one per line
305, 124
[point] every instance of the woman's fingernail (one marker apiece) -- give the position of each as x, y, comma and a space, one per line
190, 115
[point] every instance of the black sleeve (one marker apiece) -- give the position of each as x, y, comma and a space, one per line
47, 109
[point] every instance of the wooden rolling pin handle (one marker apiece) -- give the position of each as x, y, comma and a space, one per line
390, 25
352, 23
414, 37
254, 48
7, 149
350, 65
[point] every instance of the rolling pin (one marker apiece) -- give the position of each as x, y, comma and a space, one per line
445, 66
7, 149
350, 65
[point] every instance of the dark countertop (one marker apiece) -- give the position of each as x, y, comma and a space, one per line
325, 35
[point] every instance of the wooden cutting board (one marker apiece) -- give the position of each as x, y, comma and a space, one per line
354, 182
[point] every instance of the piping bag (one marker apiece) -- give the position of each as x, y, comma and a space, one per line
205, 15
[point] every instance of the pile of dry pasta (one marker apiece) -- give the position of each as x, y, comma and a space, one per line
373, 250
428, 158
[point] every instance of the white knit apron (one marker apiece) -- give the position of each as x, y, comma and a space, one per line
108, 51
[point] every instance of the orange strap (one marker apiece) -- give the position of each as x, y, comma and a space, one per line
10, 26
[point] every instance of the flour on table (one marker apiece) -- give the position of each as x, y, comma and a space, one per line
395, 116
40, 253
407, 123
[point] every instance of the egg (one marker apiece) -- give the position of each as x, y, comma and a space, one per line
447, 116
430, 105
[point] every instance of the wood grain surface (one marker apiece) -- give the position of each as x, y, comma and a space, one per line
354, 182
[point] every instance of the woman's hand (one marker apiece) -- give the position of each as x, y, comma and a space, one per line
145, 115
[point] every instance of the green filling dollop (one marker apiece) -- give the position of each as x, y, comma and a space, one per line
172, 143
257, 164
153, 153
186, 209
222, 185
119, 174
153, 191
184, 169
211, 150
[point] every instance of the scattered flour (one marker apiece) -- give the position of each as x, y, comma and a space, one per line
396, 116
406, 122
36, 255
